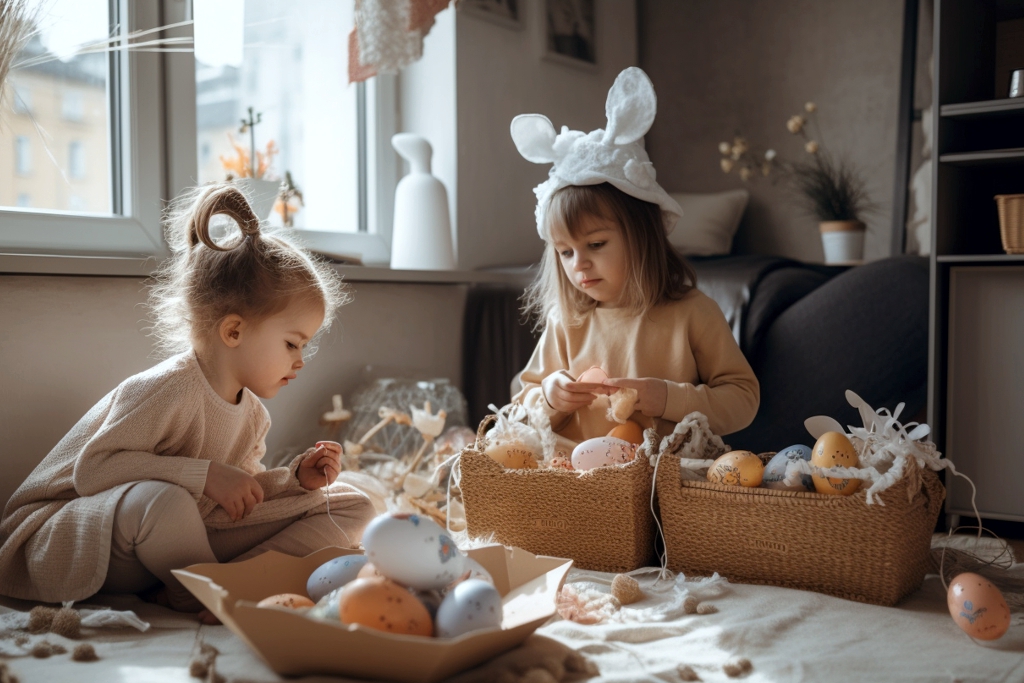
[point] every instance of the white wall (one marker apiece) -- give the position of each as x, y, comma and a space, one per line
501, 74
67, 341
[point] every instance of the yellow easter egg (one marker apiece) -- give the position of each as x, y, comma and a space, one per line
513, 455
833, 449
737, 468
631, 432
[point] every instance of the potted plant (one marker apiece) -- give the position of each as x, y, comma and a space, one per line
830, 188
249, 168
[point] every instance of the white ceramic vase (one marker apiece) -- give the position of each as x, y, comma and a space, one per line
842, 242
261, 194
421, 238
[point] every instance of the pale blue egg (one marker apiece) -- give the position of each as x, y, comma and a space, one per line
333, 574
471, 605
775, 470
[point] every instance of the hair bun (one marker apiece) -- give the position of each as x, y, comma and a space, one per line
226, 199
235, 205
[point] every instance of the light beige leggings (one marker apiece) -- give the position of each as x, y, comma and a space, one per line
157, 528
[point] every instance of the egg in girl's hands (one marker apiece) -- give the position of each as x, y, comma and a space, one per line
470, 605
977, 607
602, 451
833, 449
412, 550
384, 605
737, 468
513, 455
775, 470
333, 574
594, 375
630, 431
289, 600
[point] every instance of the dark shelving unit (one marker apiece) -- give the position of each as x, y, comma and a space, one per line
976, 340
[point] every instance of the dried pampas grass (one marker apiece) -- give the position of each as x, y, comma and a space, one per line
17, 25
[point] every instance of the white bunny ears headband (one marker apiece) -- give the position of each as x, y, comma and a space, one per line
614, 155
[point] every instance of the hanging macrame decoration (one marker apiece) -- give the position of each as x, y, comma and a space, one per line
388, 35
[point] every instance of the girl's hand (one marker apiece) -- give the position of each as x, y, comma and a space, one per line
567, 395
233, 489
652, 393
321, 465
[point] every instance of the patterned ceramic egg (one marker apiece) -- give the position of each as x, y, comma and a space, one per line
471, 605
978, 607
737, 468
775, 470
412, 550
333, 574
384, 605
289, 600
833, 449
513, 455
604, 450
630, 431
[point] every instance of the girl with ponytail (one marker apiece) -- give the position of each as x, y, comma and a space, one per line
165, 471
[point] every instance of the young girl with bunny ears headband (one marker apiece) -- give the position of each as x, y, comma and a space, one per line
612, 292
165, 471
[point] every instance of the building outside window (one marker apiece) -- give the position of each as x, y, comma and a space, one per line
22, 155
72, 106
21, 100
76, 159
24, 200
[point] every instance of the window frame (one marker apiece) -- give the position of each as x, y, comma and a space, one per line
137, 166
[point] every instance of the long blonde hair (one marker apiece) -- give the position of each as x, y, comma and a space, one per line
657, 273
255, 275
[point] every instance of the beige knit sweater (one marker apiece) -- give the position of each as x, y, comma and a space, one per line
164, 424
687, 343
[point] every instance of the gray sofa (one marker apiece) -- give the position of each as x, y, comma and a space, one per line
809, 331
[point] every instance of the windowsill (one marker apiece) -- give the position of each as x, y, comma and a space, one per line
127, 266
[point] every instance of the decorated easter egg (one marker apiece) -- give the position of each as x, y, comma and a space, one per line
833, 449
594, 375
384, 605
737, 468
289, 600
326, 608
471, 605
412, 550
513, 455
604, 450
977, 607
775, 470
333, 574
369, 571
630, 431
476, 570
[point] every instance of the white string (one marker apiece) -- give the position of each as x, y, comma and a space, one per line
664, 572
327, 501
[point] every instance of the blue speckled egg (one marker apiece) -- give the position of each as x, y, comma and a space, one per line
333, 574
472, 604
775, 471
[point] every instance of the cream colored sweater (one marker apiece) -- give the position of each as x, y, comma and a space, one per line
164, 424
687, 343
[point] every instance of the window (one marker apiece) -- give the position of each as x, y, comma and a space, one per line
22, 155
76, 177
21, 101
76, 159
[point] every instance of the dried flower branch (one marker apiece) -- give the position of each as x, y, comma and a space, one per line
17, 26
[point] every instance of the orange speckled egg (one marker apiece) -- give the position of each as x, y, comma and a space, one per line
631, 432
384, 605
513, 455
737, 468
289, 600
978, 607
833, 449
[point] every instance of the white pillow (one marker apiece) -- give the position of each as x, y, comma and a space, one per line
709, 221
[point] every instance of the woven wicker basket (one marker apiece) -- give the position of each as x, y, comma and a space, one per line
600, 518
1011, 222
837, 545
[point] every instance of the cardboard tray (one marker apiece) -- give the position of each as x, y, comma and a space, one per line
295, 645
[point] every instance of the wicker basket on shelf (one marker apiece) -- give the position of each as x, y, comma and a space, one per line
1011, 222
601, 518
838, 545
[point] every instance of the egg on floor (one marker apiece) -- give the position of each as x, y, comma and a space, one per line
775, 470
333, 574
630, 431
737, 468
471, 605
384, 605
977, 607
833, 449
602, 451
412, 550
289, 600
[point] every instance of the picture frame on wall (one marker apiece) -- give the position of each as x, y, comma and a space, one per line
507, 13
569, 32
